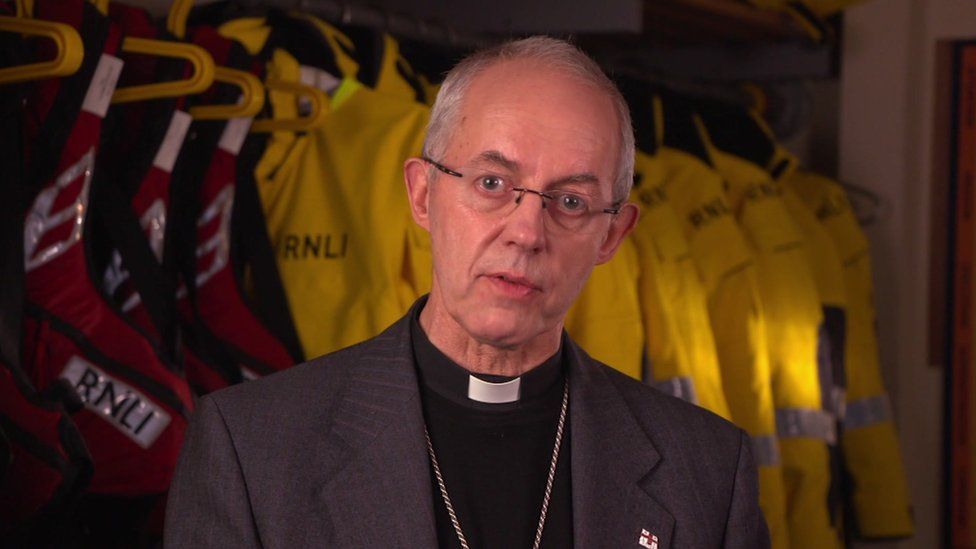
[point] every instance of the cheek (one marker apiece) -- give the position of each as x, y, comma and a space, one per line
454, 242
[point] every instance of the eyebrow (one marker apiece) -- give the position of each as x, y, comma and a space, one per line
499, 159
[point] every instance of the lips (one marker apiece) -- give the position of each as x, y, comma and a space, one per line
513, 285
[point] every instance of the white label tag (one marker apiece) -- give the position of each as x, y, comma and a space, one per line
172, 141
102, 86
125, 408
234, 134
306, 75
314, 76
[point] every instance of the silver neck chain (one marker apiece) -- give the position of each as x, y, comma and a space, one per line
549, 479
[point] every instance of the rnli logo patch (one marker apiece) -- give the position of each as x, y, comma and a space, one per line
125, 408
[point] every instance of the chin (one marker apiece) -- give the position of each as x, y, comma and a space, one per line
499, 328
502, 328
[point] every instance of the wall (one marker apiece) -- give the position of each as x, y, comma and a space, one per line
887, 125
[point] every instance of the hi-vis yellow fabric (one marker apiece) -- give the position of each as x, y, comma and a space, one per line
605, 320
881, 503
338, 42
430, 88
728, 271
828, 275
680, 349
396, 76
337, 213
793, 318
253, 33
338, 218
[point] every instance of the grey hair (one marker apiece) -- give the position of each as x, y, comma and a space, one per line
551, 52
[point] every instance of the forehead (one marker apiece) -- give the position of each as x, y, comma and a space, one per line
541, 117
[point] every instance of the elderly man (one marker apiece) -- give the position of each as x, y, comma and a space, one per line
475, 421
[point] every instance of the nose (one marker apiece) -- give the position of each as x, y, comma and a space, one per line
525, 225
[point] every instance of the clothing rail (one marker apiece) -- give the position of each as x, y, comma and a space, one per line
397, 23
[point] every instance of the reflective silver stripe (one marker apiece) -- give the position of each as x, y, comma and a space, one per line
806, 423
682, 387
867, 411
766, 450
838, 397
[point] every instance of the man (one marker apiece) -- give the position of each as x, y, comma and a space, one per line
475, 421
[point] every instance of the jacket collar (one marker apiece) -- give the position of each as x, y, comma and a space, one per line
378, 489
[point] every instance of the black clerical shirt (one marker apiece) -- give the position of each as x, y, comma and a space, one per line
495, 458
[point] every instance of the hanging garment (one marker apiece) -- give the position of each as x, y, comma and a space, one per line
681, 356
221, 237
800, 12
828, 275
878, 491
132, 242
366, 54
381, 66
728, 270
605, 319
338, 218
337, 212
793, 318
321, 49
137, 173
135, 404
48, 465
44, 464
431, 62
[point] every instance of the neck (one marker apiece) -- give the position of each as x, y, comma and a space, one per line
485, 357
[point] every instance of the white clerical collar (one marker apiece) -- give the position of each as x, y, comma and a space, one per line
442, 375
494, 393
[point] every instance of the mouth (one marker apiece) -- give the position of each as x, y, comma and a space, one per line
513, 285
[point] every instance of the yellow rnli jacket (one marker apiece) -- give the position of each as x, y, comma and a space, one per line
337, 213
680, 349
793, 318
879, 492
728, 271
605, 319
338, 217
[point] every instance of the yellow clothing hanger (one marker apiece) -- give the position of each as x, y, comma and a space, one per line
249, 104
69, 49
315, 118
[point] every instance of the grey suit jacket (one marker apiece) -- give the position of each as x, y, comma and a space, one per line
331, 453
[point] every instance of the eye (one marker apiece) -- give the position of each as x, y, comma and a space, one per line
571, 203
491, 184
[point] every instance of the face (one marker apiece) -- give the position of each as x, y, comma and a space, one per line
507, 278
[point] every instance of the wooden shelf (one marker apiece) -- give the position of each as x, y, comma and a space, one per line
713, 22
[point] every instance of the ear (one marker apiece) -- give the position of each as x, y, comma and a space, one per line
415, 172
620, 227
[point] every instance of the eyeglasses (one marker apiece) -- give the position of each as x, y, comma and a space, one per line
494, 194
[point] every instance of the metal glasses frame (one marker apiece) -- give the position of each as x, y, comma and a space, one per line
615, 209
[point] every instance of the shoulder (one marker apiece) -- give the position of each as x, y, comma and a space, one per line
685, 427
308, 392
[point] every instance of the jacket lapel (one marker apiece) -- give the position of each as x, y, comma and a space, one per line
378, 493
612, 459
375, 475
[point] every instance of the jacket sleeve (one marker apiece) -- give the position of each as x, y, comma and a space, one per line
745, 527
208, 503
